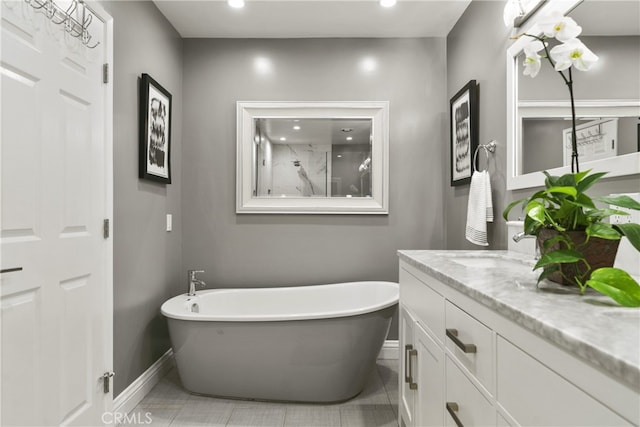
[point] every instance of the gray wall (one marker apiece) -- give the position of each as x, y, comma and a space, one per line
267, 250
147, 259
476, 49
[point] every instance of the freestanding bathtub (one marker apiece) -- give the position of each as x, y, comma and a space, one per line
296, 344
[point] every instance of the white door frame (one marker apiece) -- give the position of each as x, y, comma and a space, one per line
101, 13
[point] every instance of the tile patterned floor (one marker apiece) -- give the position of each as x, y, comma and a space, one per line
168, 404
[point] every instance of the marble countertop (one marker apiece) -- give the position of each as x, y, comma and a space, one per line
590, 326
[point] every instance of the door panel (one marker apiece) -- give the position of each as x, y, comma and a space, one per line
21, 357
54, 199
21, 155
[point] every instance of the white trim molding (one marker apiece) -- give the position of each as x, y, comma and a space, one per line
247, 112
137, 390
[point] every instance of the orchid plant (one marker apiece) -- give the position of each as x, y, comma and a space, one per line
563, 205
569, 53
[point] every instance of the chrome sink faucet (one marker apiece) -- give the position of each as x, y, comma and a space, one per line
521, 235
193, 281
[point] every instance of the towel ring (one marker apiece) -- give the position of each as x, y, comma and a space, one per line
488, 148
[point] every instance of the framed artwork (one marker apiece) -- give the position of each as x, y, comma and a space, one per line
464, 132
155, 131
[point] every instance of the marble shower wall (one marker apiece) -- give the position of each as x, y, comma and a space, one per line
300, 170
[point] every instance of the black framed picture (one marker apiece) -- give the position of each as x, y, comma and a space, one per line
155, 131
464, 132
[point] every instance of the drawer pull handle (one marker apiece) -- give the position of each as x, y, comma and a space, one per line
452, 408
10, 270
467, 348
407, 348
409, 352
412, 385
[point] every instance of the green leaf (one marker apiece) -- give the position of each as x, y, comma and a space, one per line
567, 180
579, 176
548, 271
531, 227
617, 284
535, 211
550, 180
599, 214
559, 238
570, 191
505, 213
631, 232
622, 201
584, 201
586, 183
561, 256
603, 231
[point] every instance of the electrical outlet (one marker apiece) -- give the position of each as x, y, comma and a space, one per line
620, 219
633, 215
627, 258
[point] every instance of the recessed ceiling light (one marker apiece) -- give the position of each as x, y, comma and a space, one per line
283, 139
387, 3
237, 4
349, 138
368, 64
296, 127
262, 65
339, 155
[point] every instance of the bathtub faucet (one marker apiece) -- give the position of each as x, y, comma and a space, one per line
193, 281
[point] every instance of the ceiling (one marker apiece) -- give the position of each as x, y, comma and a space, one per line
312, 18
323, 131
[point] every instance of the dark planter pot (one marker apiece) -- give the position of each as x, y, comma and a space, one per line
598, 252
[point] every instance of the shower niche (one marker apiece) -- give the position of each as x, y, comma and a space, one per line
320, 157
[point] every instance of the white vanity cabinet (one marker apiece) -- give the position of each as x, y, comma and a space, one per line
421, 377
464, 364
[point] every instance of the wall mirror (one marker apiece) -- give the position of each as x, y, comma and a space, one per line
312, 157
607, 99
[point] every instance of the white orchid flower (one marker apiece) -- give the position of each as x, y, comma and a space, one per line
563, 28
532, 60
573, 53
510, 13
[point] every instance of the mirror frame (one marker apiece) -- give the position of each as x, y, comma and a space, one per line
627, 164
248, 111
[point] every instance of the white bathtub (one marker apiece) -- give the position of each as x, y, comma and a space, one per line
297, 344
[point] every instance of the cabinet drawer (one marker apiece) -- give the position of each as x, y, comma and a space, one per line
465, 401
465, 331
533, 394
424, 302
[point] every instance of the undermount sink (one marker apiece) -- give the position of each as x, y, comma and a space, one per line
489, 261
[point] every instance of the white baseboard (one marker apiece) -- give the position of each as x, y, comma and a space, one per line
389, 350
137, 390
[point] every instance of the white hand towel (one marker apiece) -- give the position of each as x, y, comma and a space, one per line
480, 208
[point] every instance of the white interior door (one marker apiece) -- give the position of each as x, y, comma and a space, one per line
56, 311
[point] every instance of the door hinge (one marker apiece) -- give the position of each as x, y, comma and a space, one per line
106, 381
105, 73
105, 228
